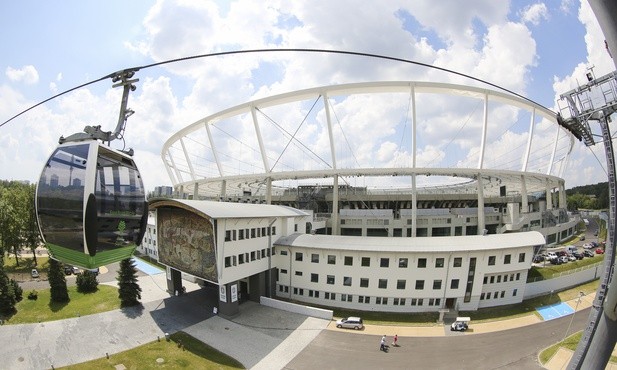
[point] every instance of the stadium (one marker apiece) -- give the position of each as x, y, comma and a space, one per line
415, 196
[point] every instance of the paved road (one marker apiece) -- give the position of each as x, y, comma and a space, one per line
509, 349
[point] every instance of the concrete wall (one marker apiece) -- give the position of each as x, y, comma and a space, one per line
563, 282
296, 308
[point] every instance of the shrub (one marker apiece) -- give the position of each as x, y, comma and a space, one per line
86, 282
19, 292
33, 295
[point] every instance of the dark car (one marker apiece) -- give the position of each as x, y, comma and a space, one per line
587, 253
578, 255
556, 261
538, 258
68, 269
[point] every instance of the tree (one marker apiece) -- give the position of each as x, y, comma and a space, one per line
86, 282
7, 293
57, 282
129, 291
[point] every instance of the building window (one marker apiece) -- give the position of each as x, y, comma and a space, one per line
383, 283
228, 261
347, 281
227, 235
241, 258
331, 259
419, 284
366, 261
348, 261
439, 262
498, 279
234, 260
454, 284
503, 293
482, 296
400, 284
506, 259
314, 278
402, 262
436, 284
495, 295
521, 257
421, 263
283, 271
298, 273
492, 279
241, 234
491, 260
253, 233
315, 258
283, 253
514, 292
384, 262
363, 283
330, 279
458, 261
518, 276
299, 256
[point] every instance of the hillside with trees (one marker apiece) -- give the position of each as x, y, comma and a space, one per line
588, 197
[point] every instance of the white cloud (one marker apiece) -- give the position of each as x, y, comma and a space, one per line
534, 13
27, 74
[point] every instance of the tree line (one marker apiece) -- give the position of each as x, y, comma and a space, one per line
588, 197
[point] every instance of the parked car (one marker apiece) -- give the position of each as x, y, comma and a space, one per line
587, 253
461, 324
68, 269
538, 258
76, 270
556, 261
587, 246
564, 259
34, 273
594, 244
551, 255
582, 237
571, 257
599, 251
578, 255
350, 323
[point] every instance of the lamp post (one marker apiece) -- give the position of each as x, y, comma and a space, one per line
578, 300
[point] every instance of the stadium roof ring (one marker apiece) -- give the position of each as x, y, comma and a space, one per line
390, 136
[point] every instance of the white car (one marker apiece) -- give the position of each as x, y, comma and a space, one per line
551, 255
34, 273
350, 323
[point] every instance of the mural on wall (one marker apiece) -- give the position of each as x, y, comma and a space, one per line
186, 242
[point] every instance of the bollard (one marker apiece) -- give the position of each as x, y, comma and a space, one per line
167, 337
107, 355
158, 339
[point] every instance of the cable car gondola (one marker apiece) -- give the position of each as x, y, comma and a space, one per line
90, 198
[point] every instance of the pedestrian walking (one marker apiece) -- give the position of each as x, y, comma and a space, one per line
382, 344
395, 342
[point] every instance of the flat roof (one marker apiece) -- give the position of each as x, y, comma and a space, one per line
417, 244
220, 210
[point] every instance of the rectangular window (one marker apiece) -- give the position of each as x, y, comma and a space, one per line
298, 273
421, 263
491, 260
485, 281
348, 261
454, 284
498, 279
518, 276
482, 296
314, 278
228, 261
420, 301
263, 253
283, 271
458, 261
439, 262
377, 300
436, 284
233, 234
227, 235
241, 234
495, 295
395, 302
283, 253
347, 281
514, 292
384, 262
273, 230
506, 259
419, 284
253, 233
315, 258
366, 261
330, 279
234, 260
402, 262
414, 301
521, 257
363, 283
299, 256
331, 259
503, 293
241, 258
492, 279
400, 284
383, 283
263, 231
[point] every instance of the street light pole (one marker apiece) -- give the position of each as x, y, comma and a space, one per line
578, 300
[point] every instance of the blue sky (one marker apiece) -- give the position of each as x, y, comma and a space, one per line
537, 49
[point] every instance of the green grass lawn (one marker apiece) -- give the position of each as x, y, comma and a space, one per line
570, 343
182, 351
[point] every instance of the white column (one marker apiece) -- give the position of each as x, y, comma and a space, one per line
524, 203
562, 195
484, 128
330, 134
481, 223
269, 190
414, 206
549, 197
335, 218
529, 138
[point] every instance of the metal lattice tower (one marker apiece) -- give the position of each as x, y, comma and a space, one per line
595, 102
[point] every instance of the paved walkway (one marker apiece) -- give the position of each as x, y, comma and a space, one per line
260, 337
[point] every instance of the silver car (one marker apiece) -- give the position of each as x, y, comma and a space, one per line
350, 323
